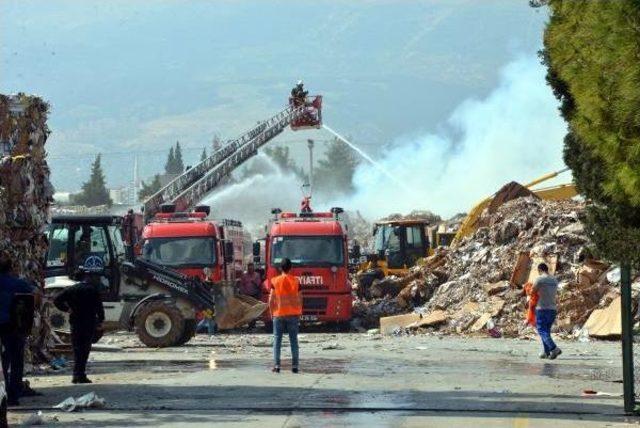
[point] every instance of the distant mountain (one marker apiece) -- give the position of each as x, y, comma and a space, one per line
134, 77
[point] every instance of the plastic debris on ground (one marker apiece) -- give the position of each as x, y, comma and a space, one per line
87, 401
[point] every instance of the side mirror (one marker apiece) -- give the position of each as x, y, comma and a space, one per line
256, 249
228, 252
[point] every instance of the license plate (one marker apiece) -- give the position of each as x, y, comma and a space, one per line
309, 318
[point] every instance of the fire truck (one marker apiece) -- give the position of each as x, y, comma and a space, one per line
194, 245
316, 244
184, 263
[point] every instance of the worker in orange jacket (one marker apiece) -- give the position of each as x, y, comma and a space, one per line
532, 302
285, 304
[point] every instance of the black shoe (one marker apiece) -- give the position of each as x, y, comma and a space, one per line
12, 402
276, 369
294, 369
81, 379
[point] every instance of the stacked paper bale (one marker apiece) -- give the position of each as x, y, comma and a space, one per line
25, 189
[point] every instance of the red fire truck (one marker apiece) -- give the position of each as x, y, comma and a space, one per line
316, 244
195, 246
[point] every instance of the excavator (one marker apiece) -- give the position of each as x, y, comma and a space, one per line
399, 244
155, 294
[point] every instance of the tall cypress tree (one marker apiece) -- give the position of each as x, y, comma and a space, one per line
179, 164
94, 192
592, 51
169, 166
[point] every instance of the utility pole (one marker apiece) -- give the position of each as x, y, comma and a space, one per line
310, 145
136, 181
627, 339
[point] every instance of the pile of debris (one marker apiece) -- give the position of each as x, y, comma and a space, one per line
25, 189
477, 286
359, 229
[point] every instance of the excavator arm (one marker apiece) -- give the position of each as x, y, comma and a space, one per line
559, 192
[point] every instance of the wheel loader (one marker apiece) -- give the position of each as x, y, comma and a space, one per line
159, 303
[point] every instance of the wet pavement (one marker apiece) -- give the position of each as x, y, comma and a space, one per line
346, 380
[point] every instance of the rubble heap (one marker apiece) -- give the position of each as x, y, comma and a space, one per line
25, 189
477, 286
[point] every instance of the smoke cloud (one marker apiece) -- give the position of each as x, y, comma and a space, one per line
251, 199
515, 133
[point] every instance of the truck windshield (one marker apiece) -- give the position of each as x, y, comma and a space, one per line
308, 250
176, 252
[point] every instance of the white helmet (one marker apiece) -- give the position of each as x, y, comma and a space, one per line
300, 82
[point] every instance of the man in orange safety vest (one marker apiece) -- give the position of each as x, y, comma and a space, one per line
285, 303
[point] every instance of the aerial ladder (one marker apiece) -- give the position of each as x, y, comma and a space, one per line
186, 190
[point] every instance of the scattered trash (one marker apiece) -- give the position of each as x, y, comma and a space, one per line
613, 276
90, 400
332, 346
592, 393
58, 363
34, 419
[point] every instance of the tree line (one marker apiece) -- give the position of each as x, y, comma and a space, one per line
333, 174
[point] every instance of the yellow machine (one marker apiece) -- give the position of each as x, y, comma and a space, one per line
399, 244
562, 191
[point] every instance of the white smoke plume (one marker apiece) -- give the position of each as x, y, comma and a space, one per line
251, 199
514, 134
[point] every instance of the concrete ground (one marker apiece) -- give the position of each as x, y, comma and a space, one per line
347, 379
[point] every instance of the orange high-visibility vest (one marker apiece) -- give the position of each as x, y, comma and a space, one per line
287, 300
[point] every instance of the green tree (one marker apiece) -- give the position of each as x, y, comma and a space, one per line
203, 156
179, 164
169, 166
216, 143
151, 188
282, 158
94, 192
591, 49
334, 173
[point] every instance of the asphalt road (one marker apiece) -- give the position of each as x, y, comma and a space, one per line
346, 380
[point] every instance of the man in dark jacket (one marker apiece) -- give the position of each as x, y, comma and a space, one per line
13, 341
86, 313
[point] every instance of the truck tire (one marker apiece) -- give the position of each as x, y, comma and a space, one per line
188, 332
159, 324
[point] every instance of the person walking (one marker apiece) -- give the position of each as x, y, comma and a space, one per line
13, 331
285, 304
86, 313
546, 287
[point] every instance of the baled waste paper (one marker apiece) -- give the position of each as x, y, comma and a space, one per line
25, 195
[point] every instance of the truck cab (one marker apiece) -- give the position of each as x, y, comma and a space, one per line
316, 244
195, 246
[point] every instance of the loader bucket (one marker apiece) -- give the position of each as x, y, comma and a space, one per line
236, 311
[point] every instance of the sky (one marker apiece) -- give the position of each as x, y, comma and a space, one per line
129, 79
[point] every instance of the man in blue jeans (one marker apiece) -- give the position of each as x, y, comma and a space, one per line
285, 303
13, 342
547, 287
